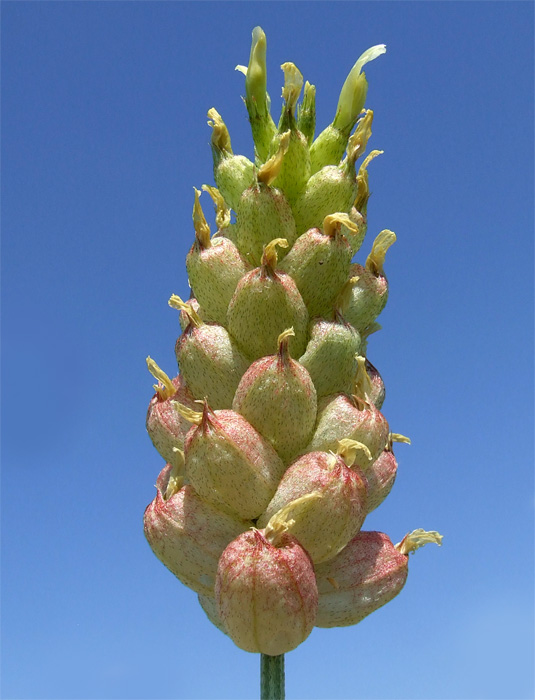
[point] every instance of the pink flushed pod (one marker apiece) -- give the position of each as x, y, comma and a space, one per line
353, 417
188, 534
323, 501
229, 463
366, 575
380, 475
265, 592
166, 428
276, 395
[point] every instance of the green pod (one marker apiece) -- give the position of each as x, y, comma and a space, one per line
330, 355
262, 214
214, 267
276, 395
267, 302
229, 464
209, 359
319, 264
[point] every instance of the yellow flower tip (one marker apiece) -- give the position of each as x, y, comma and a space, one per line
165, 387
269, 256
220, 134
349, 449
359, 140
332, 224
222, 216
176, 475
376, 258
418, 538
202, 229
363, 385
293, 82
286, 517
283, 342
175, 302
271, 168
189, 414
396, 437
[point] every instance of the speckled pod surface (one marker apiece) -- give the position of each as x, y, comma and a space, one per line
274, 432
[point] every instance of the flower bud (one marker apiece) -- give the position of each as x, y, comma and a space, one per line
364, 576
266, 592
276, 395
188, 534
229, 463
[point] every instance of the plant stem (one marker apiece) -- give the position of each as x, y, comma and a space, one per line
272, 677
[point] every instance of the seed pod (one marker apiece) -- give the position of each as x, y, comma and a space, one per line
184, 317
263, 212
214, 267
370, 286
267, 302
209, 359
229, 463
266, 592
378, 391
356, 234
334, 187
232, 173
319, 264
209, 605
355, 417
188, 534
380, 475
323, 501
364, 576
330, 355
165, 427
276, 395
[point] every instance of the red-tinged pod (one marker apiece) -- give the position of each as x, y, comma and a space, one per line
266, 592
378, 391
277, 396
381, 475
188, 534
209, 359
166, 428
229, 463
369, 292
323, 501
267, 302
214, 267
209, 605
319, 263
364, 576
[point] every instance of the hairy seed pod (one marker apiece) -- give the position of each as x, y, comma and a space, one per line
209, 359
325, 501
378, 391
214, 267
364, 576
319, 264
267, 302
276, 395
266, 592
209, 605
165, 427
330, 355
188, 534
229, 463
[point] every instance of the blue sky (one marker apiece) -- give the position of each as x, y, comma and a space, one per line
104, 136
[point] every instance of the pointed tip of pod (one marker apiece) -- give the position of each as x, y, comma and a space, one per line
418, 538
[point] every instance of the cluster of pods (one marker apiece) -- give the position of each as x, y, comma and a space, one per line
275, 445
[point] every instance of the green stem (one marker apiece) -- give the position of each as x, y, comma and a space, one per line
272, 677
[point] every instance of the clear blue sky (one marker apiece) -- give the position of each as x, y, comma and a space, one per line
104, 136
